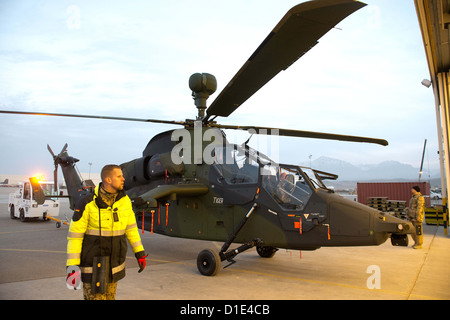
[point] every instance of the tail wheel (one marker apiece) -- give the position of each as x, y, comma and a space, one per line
266, 252
208, 262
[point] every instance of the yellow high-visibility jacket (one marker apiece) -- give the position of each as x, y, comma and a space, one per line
118, 223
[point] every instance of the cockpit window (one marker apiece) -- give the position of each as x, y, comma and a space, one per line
287, 186
48, 188
26, 191
234, 165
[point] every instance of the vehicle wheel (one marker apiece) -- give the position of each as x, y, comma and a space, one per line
11, 213
208, 262
58, 224
266, 252
22, 215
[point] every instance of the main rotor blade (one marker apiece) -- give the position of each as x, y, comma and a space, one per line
296, 33
92, 117
302, 134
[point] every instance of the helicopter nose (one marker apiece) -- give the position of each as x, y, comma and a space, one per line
354, 219
390, 224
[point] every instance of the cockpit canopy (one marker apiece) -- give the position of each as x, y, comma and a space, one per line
290, 186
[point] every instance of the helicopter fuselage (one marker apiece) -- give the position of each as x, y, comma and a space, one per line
289, 206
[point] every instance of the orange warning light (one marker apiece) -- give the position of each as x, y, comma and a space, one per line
39, 177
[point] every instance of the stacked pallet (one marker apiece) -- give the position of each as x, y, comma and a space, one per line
396, 208
379, 203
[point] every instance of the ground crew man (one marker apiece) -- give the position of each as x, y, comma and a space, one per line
101, 224
415, 215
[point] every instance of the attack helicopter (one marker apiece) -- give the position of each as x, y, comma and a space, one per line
193, 183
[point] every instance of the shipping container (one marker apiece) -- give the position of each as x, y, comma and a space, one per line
400, 191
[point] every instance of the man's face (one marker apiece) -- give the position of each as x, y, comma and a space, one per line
413, 191
116, 179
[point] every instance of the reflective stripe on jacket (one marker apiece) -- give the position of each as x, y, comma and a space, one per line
118, 223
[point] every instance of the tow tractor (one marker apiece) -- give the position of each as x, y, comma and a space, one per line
34, 199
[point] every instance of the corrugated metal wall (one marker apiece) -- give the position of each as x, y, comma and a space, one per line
392, 190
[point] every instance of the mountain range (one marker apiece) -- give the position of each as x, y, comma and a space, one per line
384, 171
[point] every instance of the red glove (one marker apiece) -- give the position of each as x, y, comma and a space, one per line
141, 262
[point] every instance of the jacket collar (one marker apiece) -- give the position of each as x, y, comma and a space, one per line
98, 200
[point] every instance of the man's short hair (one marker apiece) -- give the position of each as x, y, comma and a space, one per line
416, 188
107, 170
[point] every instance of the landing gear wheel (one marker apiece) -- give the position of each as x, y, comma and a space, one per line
208, 262
266, 252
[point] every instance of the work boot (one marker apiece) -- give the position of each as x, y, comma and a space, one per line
418, 243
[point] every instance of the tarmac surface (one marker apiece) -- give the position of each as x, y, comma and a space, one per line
33, 255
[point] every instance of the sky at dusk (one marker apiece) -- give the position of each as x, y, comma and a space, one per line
134, 59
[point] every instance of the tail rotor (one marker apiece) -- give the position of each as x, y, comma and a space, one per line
61, 159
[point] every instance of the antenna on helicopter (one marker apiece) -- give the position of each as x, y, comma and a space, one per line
202, 86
